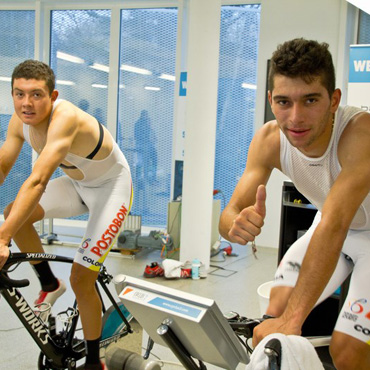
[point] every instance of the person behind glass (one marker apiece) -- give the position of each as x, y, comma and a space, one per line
324, 149
145, 140
97, 180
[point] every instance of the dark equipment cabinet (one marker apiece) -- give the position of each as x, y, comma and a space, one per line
297, 215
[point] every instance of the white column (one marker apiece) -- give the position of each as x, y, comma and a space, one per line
200, 126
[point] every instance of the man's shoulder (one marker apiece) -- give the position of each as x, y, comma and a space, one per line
16, 126
269, 131
267, 144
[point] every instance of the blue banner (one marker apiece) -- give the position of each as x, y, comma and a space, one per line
359, 64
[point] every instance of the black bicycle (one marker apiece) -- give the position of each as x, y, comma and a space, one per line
61, 349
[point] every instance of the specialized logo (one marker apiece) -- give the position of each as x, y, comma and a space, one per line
293, 266
107, 238
30, 317
38, 255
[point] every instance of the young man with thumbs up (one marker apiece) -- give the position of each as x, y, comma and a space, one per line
324, 149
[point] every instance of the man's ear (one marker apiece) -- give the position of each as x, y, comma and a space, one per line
335, 100
54, 95
269, 96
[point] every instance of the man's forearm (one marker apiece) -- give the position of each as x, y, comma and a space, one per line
23, 206
2, 177
317, 268
226, 220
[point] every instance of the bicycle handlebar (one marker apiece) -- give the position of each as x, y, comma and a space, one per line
14, 258
243, 327
7, 282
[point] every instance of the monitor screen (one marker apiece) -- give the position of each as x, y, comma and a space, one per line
196, 321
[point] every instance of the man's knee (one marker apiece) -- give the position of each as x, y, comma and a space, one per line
37, 215
82, 280
278, 300
349, 353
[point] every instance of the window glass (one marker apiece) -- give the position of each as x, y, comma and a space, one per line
145, 106
16, 45
79, 56
236, 94
364, 28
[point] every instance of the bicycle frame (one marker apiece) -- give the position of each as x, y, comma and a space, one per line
61, 352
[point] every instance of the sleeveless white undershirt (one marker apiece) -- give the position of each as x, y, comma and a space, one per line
92, 169
313, 177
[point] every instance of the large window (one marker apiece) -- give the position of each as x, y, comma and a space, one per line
16, 45
145, 106
236, 93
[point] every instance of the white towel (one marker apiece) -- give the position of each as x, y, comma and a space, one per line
172, 268
297, 354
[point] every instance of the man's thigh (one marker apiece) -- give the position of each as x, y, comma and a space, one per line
108, 206
61, 200
354, 318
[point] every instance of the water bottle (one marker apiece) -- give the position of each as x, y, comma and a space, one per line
195, 269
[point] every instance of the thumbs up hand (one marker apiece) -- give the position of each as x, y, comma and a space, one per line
248, 223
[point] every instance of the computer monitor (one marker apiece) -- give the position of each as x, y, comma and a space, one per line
196, 321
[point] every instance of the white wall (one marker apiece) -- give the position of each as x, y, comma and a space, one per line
282, 20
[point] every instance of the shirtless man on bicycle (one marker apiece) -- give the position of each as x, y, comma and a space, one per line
97, 180
324, 149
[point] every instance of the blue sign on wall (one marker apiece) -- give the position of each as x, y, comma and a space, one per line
359, 64
183, 81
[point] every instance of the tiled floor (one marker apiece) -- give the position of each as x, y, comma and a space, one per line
232, 283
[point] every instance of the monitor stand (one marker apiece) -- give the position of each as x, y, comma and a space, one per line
175, 345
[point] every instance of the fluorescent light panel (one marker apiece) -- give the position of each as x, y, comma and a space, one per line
99, 86
166, 76
249, 86
69, 58
128, 68
65, 82
152, 88
5, 79
100, 67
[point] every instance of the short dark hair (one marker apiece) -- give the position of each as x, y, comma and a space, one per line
35, 69
306, 59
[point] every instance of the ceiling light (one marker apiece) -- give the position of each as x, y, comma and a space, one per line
5, 79
100, 67
64, 82
152, 88
100, 86
249, 86
69, 58
141, 71
166, 76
